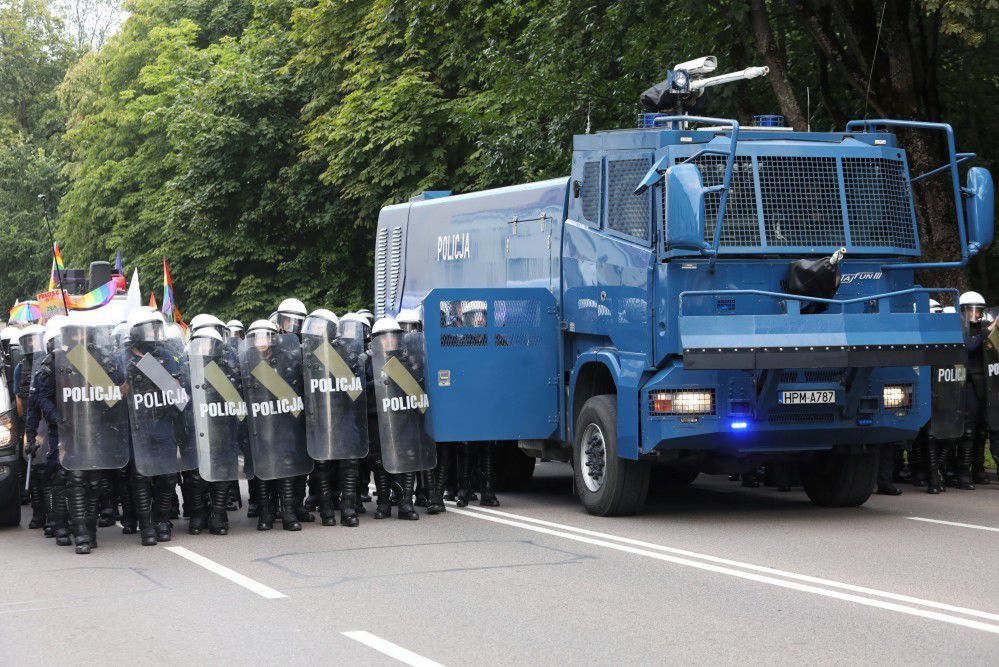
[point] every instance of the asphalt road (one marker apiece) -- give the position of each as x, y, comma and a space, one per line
713, 573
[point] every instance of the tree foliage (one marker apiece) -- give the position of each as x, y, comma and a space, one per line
252, 143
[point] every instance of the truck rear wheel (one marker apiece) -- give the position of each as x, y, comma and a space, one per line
10, 497
607, 484
841, 479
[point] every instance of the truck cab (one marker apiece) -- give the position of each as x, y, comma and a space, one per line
643, 316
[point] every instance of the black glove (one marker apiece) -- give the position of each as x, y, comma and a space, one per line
31, 447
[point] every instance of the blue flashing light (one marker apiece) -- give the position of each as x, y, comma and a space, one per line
865, 421
739, 425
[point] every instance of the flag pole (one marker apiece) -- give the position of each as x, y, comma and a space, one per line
48, 226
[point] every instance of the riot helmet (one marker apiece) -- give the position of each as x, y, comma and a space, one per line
352, 325
32, 339
384, 328
409, 320
290, 316
203, 320
206, 342
473, 314
972, 307
321, 322
146, 328
235, 328
261, 334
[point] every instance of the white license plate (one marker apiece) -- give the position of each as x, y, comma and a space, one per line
809, 397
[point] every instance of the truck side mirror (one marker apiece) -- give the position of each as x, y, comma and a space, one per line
684, 210
979, 207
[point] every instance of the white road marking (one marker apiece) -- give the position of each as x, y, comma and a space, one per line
748, 571
955, 523
391, 650
233, 576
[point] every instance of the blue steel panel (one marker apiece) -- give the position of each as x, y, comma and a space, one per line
500, 381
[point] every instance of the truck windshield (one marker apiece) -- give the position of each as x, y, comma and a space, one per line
803, 203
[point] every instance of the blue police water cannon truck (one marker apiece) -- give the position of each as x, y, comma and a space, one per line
696, 296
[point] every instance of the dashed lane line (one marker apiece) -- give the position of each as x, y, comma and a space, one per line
227, 573
386, 647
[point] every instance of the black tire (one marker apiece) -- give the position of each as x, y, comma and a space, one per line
514, 468
625, 483
841, 479
10, 499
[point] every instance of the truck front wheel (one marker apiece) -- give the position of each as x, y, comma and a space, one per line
607, 485
841, 479
10, 497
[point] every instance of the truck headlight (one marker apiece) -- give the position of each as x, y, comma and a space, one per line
5, 432
686, 402
897, 396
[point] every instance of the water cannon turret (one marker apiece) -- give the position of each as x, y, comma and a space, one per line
686, 82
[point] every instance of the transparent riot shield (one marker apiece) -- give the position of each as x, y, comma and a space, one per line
336, 420
948, 387
990, 353
160, 408
272, 387
93, 429
219, 409
401, 403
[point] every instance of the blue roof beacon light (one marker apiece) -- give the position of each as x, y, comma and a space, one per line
768, 120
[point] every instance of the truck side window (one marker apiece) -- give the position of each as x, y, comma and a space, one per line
590, 192
627, 212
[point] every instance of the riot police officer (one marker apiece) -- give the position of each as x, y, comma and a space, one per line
161, 419
219, 409
970, 454
54, 477
336, 409
271, 365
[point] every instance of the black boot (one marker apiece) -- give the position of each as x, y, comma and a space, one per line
252, 502
35, 484
302, 514
93, 508
265, 512
383, 481
425, 488
321, 483
194, 488
129, 520
142, 497
76, 502
917, 460
347, 474
931, 460
60, 508
488, 477
962, 474
164, 494
978, 474
108, 512
286, 489
407, 512
444, 458
218, 520
363, 479
233, 498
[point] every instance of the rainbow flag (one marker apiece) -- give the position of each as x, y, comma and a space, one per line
95, 298
168, 305
57, 267
25, 311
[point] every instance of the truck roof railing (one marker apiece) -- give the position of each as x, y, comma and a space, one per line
659, 168
955, 158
